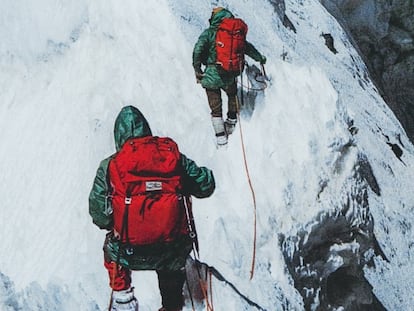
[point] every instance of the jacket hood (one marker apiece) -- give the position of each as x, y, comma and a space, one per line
216, 18
130, 123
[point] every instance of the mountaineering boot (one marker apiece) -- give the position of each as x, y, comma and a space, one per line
229, 125
218, 125
124, 300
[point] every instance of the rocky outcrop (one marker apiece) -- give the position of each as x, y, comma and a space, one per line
327, 257
384, 34
280, 9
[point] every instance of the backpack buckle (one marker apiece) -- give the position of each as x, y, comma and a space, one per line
128, 201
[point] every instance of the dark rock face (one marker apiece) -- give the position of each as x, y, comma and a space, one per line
329, 42
326, 259
384, 33
280, 8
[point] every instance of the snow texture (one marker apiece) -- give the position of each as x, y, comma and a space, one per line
67, 68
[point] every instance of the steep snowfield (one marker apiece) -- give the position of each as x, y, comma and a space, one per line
68, 67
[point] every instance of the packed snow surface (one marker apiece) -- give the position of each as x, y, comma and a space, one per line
67, 68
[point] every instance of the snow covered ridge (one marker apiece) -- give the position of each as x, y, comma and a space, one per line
329, 162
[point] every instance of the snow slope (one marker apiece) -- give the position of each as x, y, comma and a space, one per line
67, 67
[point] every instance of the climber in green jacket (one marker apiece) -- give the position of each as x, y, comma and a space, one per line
213, 78
168, 259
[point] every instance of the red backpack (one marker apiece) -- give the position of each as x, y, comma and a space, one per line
146, 184
230, 44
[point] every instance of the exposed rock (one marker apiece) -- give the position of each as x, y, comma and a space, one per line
384, 31
327, 258
280, 9
329, 42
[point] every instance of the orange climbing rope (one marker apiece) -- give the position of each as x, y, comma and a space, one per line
253, 197
249, 181
247, 168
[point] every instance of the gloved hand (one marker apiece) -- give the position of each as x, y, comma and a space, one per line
199, 76
263, 60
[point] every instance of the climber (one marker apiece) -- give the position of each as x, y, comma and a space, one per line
141, 195
221, 48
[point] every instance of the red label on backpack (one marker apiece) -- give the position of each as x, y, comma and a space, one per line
146, 182
230, 44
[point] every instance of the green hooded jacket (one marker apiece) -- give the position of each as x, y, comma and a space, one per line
204, 53
197, 181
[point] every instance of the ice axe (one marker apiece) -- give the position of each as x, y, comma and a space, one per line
264, 72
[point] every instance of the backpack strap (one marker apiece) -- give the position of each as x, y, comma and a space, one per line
124, 228
109, 194
124, 231
192, 232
